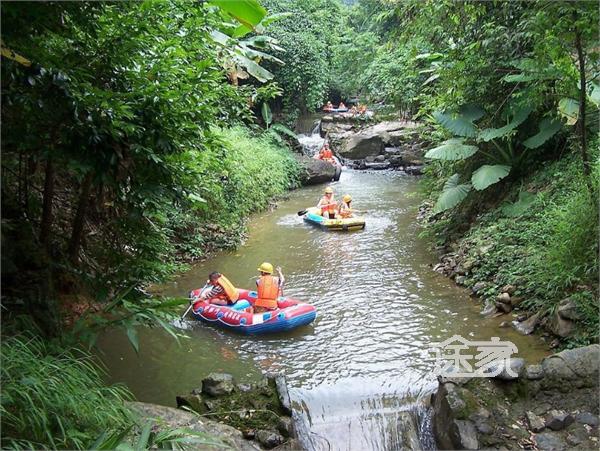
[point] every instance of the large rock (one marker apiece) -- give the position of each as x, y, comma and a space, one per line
560, 326
567, 309
451, 427
528, 326
218, 384
557, 420
269, 439
363, 144
169, 417
313, 171
572, 368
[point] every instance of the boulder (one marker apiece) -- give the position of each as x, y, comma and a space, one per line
504, 298
528, 326
380, 158
481, 420
398, 137
466, 435
451, 428
414, 170
172, 418
362, 144
567, 309
502, 307
587, 418
370, 159
285, 425
572, 368
557, 420
550, 441
534, 372
218, 384
313, 172
536, 423
193, 401
560, 326
510, 289
396, 160
269, 439
411, 157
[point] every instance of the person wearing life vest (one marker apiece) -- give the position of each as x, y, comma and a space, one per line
325, 153
268, 288
327, 204
219, 290
345, 211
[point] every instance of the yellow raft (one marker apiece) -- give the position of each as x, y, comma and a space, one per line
313, 216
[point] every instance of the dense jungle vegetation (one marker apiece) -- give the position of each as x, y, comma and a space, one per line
138, 136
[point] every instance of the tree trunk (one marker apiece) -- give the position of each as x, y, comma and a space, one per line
79, 219
47, 205
581, 119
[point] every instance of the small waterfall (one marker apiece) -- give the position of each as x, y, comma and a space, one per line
350, 415
313, 141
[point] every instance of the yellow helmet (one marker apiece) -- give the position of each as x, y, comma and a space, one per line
347, 198
266, 267
329, 190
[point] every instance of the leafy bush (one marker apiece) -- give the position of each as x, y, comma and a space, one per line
55, 401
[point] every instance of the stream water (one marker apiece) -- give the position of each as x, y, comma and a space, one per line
359, 376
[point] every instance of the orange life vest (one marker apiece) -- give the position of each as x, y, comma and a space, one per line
268, 292
231, 292
327, 205
345, 210
326, 154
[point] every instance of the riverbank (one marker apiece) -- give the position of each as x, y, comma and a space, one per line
528, 251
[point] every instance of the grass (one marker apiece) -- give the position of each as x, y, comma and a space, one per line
55, 401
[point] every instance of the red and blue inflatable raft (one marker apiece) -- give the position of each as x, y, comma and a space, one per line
289, 314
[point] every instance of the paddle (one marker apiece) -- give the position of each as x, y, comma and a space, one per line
192, 302
302, 212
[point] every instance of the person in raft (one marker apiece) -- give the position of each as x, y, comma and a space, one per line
328, 106
268, 288
327, 204
345, 211
341, 106
219, 290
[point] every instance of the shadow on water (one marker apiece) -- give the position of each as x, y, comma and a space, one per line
361, 374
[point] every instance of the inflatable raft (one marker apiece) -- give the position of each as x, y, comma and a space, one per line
313, 216
289, 315
335, 110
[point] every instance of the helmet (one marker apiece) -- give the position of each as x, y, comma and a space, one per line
347, 198
266, 267
329, 190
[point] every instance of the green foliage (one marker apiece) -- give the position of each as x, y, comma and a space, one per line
550, 252
487, 175
308, 33
451, 150
452, 194
55, 400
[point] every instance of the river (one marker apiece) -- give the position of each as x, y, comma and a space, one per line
366, 359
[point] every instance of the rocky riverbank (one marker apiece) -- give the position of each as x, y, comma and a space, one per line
394, 144
245, 416
548, 406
